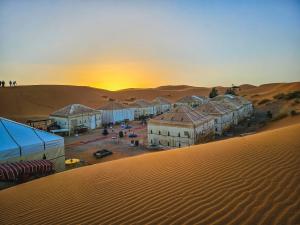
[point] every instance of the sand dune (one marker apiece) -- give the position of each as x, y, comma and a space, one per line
25, 102
247, 180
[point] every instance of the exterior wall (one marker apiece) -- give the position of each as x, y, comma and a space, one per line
178, 136
118, 115
162, 108
223, 122
61, 121
144, 111
169, 136
77, 120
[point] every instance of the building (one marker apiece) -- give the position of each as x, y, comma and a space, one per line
19, 142
75, 115
114, 112
182, 126
223, 116
241, 107
192, 101
143, 108
161, 105
41, 124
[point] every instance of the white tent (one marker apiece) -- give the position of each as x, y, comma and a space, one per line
21, 142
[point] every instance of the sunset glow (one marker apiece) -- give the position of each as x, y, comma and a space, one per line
137, 44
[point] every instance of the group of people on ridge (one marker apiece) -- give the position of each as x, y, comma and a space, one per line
11, 83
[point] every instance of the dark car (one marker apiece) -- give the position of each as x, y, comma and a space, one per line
80, 129
102, 153
132, 135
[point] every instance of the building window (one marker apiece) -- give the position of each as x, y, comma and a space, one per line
151, 131
179, 145
179, 134
159, 132
168, 133
151, 141
159, 142
168, 143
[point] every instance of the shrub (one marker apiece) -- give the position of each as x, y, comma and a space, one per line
213, 93
292, 95
288, 96
280, 116
269, 114
230, 91
279, 96
264, 101
294, 113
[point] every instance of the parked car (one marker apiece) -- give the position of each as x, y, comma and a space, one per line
102, 153
81, 129
132, 135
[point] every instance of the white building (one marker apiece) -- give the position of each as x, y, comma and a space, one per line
114, 112
182, 126
142, 107
19, 142
76, 115
161, 105
223, 116
192, 101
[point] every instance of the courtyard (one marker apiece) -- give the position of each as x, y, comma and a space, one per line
84, 145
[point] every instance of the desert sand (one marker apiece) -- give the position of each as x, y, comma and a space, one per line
253, 179
29, 102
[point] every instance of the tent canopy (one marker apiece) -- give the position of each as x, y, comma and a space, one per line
17, 139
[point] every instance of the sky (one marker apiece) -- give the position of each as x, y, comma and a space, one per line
121, 44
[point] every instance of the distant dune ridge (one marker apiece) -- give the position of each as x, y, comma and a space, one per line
245, 180
25, 102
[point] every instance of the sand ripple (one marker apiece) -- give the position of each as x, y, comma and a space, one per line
247, 180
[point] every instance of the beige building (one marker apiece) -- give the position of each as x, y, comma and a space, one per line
182, 126
76, 115
161, 105
223, 116
192, 101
